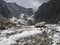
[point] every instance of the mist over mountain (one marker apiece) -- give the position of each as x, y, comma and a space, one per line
29, 3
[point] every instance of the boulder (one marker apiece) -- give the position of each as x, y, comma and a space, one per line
2, 27
58, 22
41, 24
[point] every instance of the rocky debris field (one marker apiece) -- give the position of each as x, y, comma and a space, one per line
30, 35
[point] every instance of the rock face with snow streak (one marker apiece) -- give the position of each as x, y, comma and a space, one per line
24, 19
9, 10
16, 10
30, 35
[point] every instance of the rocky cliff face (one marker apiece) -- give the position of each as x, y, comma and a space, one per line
48, 12
4, 12
19, 13
16, 10
3, 9
9, 10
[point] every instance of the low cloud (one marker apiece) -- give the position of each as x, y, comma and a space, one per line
29, 3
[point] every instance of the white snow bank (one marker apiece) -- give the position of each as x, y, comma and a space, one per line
7, 42
14, 20
10, 1
6, 32
25, 34
12, 39
58, 28
57, 38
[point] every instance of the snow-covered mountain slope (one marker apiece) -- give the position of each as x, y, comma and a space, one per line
12, 11
24, 19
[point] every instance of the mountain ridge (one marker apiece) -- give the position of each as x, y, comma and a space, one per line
48, 12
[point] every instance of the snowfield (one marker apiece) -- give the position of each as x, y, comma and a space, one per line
30, 35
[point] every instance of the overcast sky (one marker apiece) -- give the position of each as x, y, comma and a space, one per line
29, 3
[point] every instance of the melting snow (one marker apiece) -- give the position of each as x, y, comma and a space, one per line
13, 38
28, 31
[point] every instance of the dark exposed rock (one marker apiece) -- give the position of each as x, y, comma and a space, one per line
30, 22
4, 12
49, 12
2, 27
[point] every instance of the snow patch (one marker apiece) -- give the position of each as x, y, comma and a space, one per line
12, 39
25, 34
58, 28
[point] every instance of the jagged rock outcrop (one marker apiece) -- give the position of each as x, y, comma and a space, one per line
17, 10
9, 10
49, 12
20, 13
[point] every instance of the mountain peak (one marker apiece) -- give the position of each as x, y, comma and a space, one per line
10, 1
